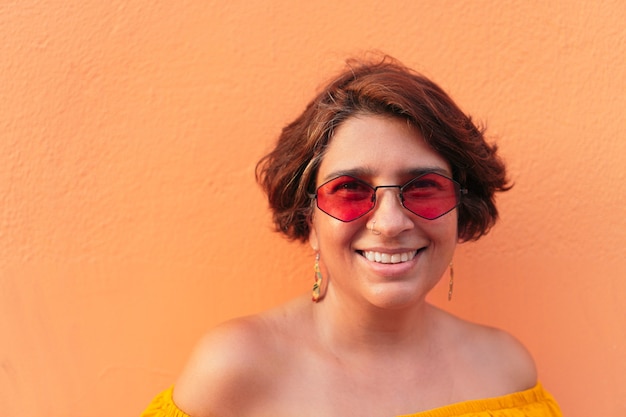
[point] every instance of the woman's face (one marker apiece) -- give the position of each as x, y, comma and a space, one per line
399, 262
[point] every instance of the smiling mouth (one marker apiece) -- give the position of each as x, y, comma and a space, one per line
389, 258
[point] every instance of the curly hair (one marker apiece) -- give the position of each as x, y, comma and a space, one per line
383, 87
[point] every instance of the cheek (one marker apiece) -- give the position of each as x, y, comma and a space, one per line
443, 229
452, 228
331, 234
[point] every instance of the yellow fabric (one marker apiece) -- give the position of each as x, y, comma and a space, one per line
535, 402
163, 406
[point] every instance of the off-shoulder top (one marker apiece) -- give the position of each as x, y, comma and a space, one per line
534, 402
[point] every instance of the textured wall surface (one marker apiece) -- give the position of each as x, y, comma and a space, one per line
130, 222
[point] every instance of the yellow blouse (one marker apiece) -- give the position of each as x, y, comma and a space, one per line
535, 402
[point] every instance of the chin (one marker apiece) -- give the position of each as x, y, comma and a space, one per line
396, 298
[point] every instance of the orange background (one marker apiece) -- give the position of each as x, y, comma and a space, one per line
130, 222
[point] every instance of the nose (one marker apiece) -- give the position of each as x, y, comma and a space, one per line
391, 217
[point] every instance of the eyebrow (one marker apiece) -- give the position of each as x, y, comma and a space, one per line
366, 172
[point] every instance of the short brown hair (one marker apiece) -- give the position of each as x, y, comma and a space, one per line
383, 87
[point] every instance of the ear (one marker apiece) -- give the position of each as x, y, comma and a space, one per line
313, 241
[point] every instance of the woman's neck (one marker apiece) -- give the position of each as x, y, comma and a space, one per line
358, 326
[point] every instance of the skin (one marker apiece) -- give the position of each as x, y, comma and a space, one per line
373, 346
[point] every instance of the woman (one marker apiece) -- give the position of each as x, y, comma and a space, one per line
382, 174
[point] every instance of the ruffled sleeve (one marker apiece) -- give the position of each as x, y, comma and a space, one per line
163, 406
535, 402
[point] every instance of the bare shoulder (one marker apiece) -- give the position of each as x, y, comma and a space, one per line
494, 357
506, 356
233, 367
224, 369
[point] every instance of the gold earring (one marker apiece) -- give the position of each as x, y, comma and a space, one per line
318, 279
451, 285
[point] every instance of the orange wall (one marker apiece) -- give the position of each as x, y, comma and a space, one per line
130, 221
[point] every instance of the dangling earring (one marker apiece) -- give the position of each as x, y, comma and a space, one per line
451, 285
318, 279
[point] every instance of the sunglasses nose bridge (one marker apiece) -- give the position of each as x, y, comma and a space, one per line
398, 194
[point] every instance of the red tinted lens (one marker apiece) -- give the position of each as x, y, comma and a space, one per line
345, 198
431, 195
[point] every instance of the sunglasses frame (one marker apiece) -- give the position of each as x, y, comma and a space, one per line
459, 191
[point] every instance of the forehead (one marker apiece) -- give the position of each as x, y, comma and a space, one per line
378, 147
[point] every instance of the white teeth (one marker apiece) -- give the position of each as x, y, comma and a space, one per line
389, 258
